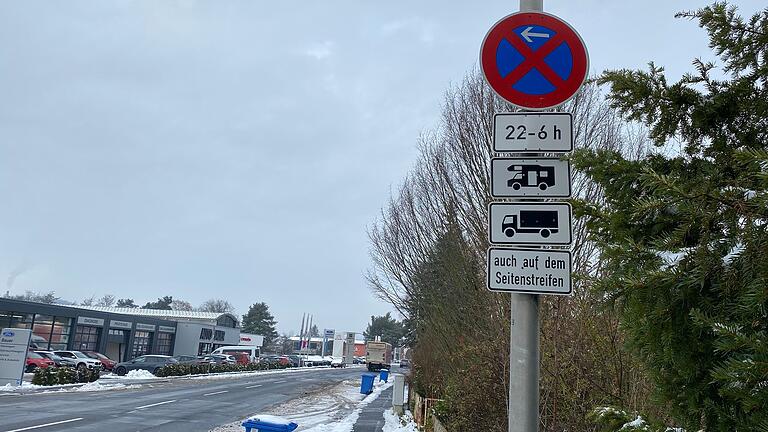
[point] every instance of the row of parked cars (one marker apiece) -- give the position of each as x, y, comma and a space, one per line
76, 359
94, 360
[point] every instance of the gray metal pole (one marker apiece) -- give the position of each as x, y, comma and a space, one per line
524, 364
524, 340
531, 5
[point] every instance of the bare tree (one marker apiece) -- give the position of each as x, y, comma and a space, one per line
449, 187
181, 305
216, 305
106, 300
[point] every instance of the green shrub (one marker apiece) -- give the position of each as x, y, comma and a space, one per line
44, 376
199, 369
63, 375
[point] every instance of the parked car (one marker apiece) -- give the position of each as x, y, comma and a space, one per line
252, 351
35, 360
274, 359
296, 360
58, 361
316, 360
81, 360
106, 362
405, 363
189, 359
338, 362
241, 358
219, 359
150, 363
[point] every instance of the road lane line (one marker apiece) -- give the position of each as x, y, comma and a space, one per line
215, 393
279, 382
45, 425
254, 386
155, 404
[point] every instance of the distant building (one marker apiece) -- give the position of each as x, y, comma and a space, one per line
316, 346
120, 333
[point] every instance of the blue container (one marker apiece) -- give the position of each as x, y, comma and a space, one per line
384, 375
268, 423
366, 386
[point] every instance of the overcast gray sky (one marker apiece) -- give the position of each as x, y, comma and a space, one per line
239, 149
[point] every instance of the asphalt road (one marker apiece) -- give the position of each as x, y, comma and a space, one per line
178, 405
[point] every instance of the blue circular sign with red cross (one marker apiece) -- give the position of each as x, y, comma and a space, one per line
534, 60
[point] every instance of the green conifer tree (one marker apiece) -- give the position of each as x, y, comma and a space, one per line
684, 233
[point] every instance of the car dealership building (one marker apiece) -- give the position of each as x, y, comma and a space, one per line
120, 333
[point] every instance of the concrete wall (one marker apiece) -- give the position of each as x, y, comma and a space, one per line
188, 337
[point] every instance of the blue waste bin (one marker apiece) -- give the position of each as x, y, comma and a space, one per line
366, 386
384, 375
268, 423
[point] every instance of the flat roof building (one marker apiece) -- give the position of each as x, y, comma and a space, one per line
120, 333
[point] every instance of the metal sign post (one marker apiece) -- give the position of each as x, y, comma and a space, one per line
535, 61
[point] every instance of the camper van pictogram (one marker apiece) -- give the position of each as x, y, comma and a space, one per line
532, 176
542, 222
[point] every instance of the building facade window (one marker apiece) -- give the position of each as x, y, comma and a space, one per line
204, 348
15, 320
87, 338
142, 343
226, 321
50, 333
62, 326
41, 331
218, 335
206, 333
164, 343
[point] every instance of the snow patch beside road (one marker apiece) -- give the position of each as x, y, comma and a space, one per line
331, 409
393, 423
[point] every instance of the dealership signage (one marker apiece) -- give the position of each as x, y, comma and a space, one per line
145, 327
251, 339
13, 355
90, 321
120, 324
166, 329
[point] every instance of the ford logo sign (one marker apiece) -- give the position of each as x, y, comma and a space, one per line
9, 333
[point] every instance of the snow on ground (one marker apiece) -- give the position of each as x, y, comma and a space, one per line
89, 387
394, 423
139, 374
25, 386
330, 409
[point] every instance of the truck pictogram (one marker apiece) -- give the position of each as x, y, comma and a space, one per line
538, 176
542, 222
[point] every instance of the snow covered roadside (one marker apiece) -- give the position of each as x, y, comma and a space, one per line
134, 379
29, 388
332, 409
393, 423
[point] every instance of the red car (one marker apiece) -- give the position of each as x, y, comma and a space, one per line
35, 360
106, 362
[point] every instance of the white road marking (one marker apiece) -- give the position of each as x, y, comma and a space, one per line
279, 382
47, 424
254, 386
215, 393
155, 404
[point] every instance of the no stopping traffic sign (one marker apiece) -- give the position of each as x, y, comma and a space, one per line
534, 60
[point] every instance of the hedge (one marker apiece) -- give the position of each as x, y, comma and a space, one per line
198, 369
63, 375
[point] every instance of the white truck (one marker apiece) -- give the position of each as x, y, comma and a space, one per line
378, 355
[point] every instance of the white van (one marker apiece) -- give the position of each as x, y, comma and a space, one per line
252, 351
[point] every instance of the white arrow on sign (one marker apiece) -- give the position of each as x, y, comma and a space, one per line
527, 35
